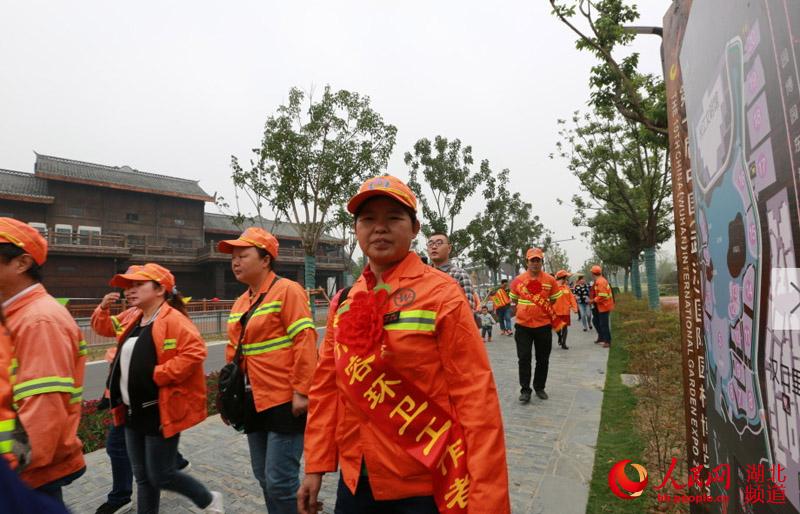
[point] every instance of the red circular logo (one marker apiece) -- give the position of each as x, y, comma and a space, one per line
624, 487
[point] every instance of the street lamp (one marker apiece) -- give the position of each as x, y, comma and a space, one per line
637, 29
648, 30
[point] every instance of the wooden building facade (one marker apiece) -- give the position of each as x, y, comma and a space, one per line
100, 219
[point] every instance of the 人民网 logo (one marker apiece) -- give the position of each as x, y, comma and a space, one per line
624, 487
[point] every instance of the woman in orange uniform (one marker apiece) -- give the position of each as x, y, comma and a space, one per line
403, 400
157, 385
564, 304
272, 323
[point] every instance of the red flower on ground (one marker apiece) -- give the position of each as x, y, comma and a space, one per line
361, 326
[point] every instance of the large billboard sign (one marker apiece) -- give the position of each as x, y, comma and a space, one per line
733, 85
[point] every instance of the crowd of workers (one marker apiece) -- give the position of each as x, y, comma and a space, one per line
398, 397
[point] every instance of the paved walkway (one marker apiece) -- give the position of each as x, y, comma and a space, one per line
550, 444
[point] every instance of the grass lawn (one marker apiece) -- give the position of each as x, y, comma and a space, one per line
617, 439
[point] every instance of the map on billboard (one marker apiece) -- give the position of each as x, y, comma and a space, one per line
741, 77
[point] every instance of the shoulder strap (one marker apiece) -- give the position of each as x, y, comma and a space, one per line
246, 317
343, 296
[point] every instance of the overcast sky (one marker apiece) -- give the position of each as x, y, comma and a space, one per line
177, 87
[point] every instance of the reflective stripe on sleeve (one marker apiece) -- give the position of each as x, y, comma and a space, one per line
77, 395
170, 344
83, 348
298, 326
43, 385
7, 435
117, 325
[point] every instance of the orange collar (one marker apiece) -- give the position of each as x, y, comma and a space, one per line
23, 298
411, 266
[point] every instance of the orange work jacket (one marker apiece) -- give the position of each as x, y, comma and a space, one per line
528, 313
565, 302
280, 342
443, 354
180, 352
8, 418
603, 297
50, 355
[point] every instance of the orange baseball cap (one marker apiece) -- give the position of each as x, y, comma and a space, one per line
149, 271
562, 273
253, 236
384, 185
534, 253
25, 237
597, 269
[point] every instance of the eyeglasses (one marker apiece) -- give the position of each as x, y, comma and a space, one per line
436, 243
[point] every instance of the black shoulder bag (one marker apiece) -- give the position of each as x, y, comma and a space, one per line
230, 383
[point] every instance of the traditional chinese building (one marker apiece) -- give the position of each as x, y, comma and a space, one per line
100, 219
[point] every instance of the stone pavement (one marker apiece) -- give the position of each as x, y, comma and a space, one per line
550, 444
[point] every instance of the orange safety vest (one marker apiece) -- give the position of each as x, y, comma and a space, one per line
50, 355
500, 298
280, 342
432, 341
179, 375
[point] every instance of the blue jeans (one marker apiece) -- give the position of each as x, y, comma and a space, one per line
603, 326
153, 460
54, 489
586, 315
504, 317
364, 503
275, 459
121, 474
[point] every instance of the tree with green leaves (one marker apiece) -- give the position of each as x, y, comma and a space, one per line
313, 156
617, 85
446, 166
505, 228
555, 259
342, 226
616, 245
624, 172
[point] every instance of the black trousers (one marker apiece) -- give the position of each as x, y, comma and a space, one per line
562, 336
529, 339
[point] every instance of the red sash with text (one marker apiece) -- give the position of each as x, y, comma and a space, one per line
532, 292
397, 407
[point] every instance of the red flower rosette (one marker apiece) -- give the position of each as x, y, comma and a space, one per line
533, 286
361, 326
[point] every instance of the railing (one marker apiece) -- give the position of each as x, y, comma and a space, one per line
84, 307
162, 248
90, 239
297, 253
156, 247
211, 324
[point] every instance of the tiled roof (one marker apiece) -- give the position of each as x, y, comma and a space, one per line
23, 186
117, 177
223, 224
